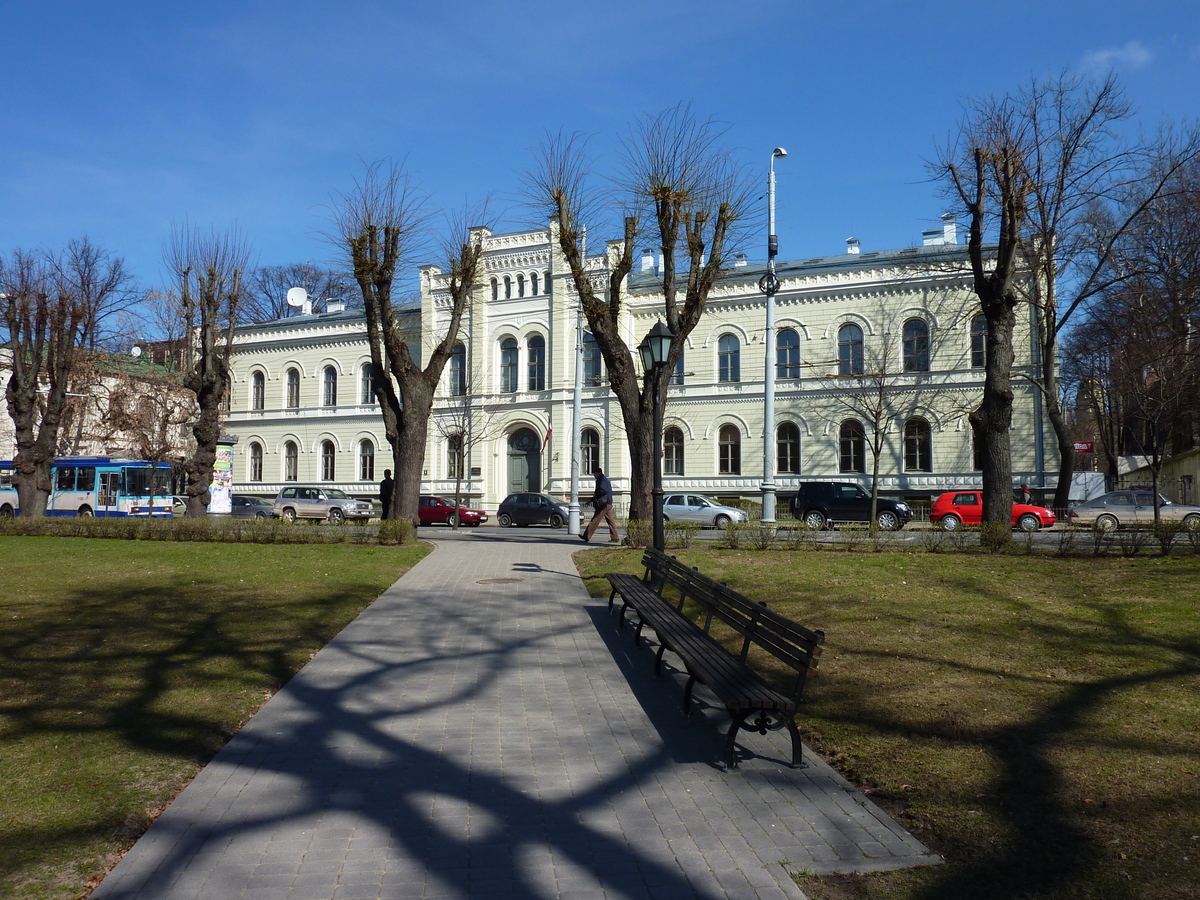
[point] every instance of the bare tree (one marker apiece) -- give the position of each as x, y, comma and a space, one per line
266, 297
44, 322
103, 285
380, 224
208, 268
464, 424
677, 190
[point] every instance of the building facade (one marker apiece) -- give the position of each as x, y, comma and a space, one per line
888, 341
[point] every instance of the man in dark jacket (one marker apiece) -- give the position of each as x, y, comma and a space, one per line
386, 487
602, 499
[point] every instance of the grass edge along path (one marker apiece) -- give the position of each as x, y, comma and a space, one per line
126, 665
1033, 720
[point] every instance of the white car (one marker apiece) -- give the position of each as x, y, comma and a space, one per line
294, 503
696, 508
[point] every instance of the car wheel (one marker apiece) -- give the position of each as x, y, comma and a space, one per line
451, 520
85, 512
555, 521
505, 520
1106, 524
888, 521
1190, 523
6, 511
289, 516
815, 520
335, 516
951, 523
721, 523
1028, 523
260, 515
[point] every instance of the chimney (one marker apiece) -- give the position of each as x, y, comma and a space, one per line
647, 260
739, 260
852, 246
335, 306
949, 228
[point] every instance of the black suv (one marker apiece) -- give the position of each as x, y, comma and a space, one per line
821, 503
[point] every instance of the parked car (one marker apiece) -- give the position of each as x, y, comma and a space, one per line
437, 511
821, 503
531, 509
704, 510
300, 502
1128, 509
954, 509
247, 507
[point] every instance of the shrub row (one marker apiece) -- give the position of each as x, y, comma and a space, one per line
236, 531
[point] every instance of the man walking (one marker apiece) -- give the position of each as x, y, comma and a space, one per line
602, 499
386, 487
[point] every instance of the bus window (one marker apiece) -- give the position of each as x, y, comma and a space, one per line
6, 480
85, 478
144, 482
65, 478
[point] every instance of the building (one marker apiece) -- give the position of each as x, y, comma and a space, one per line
898, 325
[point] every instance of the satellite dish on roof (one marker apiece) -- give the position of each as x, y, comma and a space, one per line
298, 296
135, 352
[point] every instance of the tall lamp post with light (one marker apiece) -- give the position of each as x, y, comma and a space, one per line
654, 349
769, 285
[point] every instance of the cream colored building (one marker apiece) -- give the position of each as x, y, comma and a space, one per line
846, 325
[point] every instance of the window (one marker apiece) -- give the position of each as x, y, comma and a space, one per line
258, 391
454, 456
730, 446
328, 469
520, 285
366, 460
366, 385
787, 449
507, 288
787, 354
256, 461
918, 446
673, 451
850, 353
916, 346
677, 375
508, 364
977, 453
592, 369
852, 454
64, 478
589, 442
979, 331
533, 284
729, 359
291, 461
495, 289
458, 371
537, 363
293, 388
330, 382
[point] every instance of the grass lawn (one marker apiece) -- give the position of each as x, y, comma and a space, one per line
126, 665
1034, 720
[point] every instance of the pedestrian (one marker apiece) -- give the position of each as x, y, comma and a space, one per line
1026, 494
602, 499
386, 487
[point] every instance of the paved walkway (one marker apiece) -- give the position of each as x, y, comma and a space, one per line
483, 730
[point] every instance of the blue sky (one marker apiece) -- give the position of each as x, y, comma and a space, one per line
119, 119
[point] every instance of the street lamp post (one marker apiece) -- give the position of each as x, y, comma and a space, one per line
654, 349
769, 285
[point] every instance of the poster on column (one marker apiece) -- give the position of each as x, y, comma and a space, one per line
221, 489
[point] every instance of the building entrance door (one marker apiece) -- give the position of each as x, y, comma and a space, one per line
524, 462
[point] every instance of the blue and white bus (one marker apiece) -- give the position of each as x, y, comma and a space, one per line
98, 486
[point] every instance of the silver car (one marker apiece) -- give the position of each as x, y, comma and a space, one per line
336, 506
696, 508
1132, 509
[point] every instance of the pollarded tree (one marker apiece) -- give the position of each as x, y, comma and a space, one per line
209, 270
677, 190
268, 286
380, 224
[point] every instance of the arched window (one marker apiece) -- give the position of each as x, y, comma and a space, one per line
730, 446
916, 346
977, 453
729, 359
787, 354
589, 443
533, 284
366, 384
508, 364
291, 461
495, 289
366, 460
458, 371
328, 459
850, 351
293, 388
918, 446
507, 288
258, 391
673, 451
979, 330
592, 368
455, 462
852, 450
677, 375
537, 362
330, 382
256, 461
520, 285
787, 449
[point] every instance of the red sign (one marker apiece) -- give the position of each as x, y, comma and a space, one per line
1084, 446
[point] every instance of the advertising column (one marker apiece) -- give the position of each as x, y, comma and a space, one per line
221, 489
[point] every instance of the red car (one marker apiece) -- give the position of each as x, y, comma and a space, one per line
436, 511
955, 508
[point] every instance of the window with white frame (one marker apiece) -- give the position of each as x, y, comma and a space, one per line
852, 446
328, 461
536, 349
730, 450
330, 380
258, 391
787, 449
256, 461
729, 359
366, 460
508, 364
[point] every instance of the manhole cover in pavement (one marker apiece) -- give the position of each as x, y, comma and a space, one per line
499, 580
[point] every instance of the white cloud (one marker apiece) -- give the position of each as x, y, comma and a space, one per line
1133, 55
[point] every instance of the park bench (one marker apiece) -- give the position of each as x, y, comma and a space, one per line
681, 606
